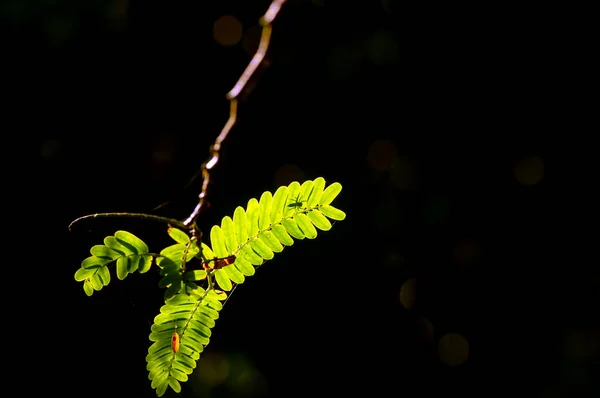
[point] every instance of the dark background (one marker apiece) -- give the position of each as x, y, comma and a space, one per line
437, 121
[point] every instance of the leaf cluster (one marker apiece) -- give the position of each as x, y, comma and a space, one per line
250, 237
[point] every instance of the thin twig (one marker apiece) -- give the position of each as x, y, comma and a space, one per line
265, 39
232, 95
152, 217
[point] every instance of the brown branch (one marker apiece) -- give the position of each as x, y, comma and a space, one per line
143, 216
240, 85
265, 21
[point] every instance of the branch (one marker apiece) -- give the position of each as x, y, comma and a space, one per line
190, 222
265, 21
152, 217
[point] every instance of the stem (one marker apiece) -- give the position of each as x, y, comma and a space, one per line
189, 223
184, 255
143, 216
265, 39
209, 280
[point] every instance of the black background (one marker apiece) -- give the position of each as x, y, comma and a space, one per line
121, 107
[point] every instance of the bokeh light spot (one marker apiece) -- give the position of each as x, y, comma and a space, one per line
582, 344
51, 149
245, 380
214, 369
344, 62
408, 293
529, 170
58, 29
383, 49
389, 5
382, 154
248, 382
402, 173
287, 174
386, 5
120, 9
227, 30
453, 349
436, 211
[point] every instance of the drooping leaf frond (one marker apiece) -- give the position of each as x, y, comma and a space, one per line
126, 250
266, 226
192, 315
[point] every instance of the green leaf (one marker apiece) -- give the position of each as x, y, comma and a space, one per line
216, 295
278, 205
271, 241
234, 274
264, 210
132, 264
330, 193
83, 273
244, 265
332, 212
88, 288
174, 384
169, 266
173, 252
162, 387
251, 256
104, 275
319, 220
261, 249
160, 383
116, 245
122, 265
316, 193
305, 190
217, 241
293, 194
169, 279
135, 244
306, 226
173, 289
145, 264
178, 235
223, 280
103, 251
207, 252
127, 265
179, 374
241, 227
252, 217
292, 228
96, 281
229, 235
193, 250
281, 234
196, 275
95, 262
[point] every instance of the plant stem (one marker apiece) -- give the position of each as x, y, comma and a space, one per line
143, 216
257, 59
